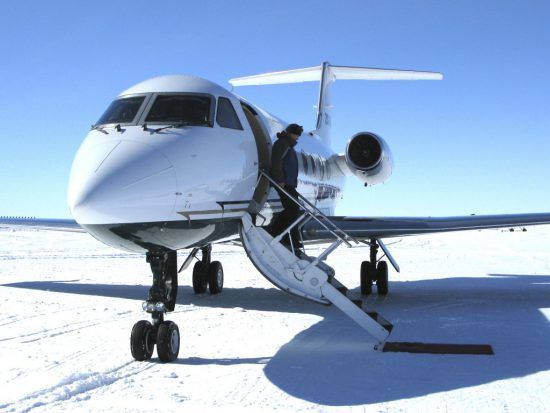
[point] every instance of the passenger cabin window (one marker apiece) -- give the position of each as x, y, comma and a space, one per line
313, 166
328, 169
304, 163
226, 115
184, 109
122, 110
324, 168
319, 165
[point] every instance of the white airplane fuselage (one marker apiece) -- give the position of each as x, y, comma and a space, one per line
137, 187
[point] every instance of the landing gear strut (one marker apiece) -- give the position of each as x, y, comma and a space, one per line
162, 299
207, 274
374, 271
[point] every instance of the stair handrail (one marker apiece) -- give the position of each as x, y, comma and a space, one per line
333, 231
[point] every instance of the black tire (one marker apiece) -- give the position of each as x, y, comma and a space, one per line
142, 340
215, 277
382, 278
200, 281
366, 278
168, 341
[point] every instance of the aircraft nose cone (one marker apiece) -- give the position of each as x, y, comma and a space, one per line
121, 182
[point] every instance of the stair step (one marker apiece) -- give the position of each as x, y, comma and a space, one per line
338, 285
343, 290
380, 320
359, 303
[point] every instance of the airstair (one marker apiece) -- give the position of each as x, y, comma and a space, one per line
309, 277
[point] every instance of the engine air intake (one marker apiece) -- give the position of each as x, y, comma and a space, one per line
364, 151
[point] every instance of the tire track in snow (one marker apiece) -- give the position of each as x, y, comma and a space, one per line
74, 386
17, 318
66, 329
54, 332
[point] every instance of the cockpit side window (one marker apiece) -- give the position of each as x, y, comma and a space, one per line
185, 109
226, 116
122, 110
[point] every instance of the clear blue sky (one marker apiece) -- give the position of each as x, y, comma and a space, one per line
476, 142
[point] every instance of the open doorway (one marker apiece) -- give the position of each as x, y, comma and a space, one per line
263, 145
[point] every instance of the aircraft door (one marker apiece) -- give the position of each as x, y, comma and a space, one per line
263, 145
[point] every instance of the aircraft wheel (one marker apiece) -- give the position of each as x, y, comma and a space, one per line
200, 280
142, 340
366, 278
168, 341
215, 277
382, 278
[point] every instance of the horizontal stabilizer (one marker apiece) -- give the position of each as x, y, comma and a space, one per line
314, 74
308, 74
364, 73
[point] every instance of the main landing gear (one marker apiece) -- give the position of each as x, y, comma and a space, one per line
374, 272
162, 299
207, 274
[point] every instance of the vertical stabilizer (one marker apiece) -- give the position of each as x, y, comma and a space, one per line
324, 104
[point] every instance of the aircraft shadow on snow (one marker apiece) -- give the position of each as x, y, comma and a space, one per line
330, 363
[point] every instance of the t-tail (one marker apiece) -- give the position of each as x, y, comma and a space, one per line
326, 74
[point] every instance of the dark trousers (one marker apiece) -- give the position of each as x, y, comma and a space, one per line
290, 213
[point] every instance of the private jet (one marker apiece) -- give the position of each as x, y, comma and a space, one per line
181, 163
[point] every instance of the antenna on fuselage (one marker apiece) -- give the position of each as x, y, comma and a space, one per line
326, 74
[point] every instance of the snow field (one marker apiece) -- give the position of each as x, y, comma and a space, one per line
68, 304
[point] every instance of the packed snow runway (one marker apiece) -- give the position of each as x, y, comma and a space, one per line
68, 304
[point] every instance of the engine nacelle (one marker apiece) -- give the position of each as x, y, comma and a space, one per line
369, 158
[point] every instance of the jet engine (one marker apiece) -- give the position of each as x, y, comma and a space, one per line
369, 158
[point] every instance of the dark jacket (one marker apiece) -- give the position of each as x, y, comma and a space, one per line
284, 161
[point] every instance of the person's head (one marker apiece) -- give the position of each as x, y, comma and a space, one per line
294, 131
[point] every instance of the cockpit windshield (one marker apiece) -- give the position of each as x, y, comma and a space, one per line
181, 109
122, 110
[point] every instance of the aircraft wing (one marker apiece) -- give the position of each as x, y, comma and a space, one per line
387, 227
67, 225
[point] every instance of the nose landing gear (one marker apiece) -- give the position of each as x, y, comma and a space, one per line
162, 299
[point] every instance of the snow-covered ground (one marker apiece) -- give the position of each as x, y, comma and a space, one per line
68, 303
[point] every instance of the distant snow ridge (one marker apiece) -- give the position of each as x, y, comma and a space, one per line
75, 386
